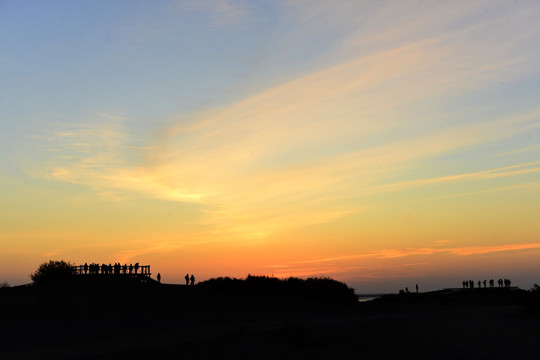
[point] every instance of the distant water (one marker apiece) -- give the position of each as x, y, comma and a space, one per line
366, 298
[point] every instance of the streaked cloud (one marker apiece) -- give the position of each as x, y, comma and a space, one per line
127, 256
222, 13
473, 250
307, 145
474, 176
349, 263
529, 186
520, 150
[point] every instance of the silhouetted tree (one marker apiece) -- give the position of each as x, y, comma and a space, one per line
4, 285
53, 271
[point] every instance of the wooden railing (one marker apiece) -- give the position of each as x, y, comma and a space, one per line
116, 269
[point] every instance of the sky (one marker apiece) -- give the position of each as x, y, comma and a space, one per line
381, 143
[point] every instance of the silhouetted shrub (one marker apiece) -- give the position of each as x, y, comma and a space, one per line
4, 285
53, 271
316, 289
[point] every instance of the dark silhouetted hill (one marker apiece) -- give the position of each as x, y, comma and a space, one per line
459, 297
261, 318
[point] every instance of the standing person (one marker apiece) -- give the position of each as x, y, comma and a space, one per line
192, 278
187, 279
417, 288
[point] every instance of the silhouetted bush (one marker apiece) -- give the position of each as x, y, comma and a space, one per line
316, 289
4, 285
53, 271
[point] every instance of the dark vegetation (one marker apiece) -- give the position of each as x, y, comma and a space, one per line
321, 289
53, 271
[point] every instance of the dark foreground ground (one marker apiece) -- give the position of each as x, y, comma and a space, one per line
177, 322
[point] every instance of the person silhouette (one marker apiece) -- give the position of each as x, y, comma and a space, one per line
192, 279
158, 277
187, 279
417, 288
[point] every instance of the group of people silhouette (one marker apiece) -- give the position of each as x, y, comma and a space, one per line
407, 289
116, 269
190, 280
469, 284
119, 269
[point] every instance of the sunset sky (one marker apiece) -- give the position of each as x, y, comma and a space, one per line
381, 143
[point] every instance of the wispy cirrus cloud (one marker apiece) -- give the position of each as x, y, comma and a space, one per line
297, 153
527, 186
127, 256
222, 13
513, 170
349, 263
520, 150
